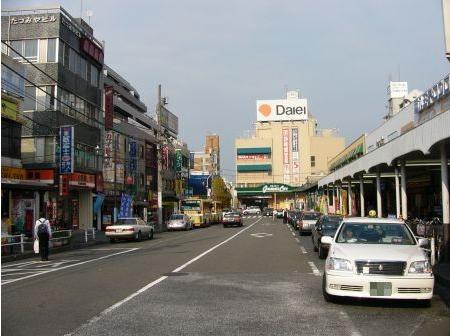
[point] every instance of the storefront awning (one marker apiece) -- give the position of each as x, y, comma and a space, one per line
255, 150
270, 188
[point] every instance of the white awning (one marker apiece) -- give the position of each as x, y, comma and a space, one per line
421, 138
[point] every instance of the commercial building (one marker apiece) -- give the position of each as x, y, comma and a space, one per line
286, 151
62, 129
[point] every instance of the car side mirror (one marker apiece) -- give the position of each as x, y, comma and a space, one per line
326, 240
319, 228
423, 242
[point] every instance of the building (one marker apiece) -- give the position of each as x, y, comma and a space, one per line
286, 151
207, 160
130, 160
62, 130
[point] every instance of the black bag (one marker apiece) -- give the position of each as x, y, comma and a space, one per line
42, 230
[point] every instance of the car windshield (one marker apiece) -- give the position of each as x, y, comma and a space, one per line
310, 216
232, 214
176, 217
375, 233
126, 221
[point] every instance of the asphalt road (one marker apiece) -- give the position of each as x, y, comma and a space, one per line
262, 279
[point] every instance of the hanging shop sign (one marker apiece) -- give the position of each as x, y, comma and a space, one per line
12, 173
295, 157
91, 49
41, 175
82, 180
63, 185
99, 183
132, 159
286, 159
125, 206
109, 107
10, 109
66, 158
253, 157
178, 160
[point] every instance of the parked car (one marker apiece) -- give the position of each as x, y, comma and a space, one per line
232, 218
280, 213
129, 228
377, 258
225, 211
325, 226
296, 218
179, 222
307, 221
268, 212
252, 210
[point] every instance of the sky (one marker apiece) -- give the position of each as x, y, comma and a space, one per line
214, 59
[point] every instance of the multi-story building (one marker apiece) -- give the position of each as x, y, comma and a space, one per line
130, 163
286, 151
62, 130
208, 160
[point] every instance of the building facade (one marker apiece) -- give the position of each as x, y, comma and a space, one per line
284, 153
62, 130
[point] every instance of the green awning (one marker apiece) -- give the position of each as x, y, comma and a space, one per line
269, 188
254, 168
256, 150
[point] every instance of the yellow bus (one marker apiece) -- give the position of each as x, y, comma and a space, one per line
198, 209
216, 212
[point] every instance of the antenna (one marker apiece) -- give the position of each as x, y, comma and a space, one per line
89, 13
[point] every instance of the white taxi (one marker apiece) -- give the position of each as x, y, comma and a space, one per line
129, 228
377, 258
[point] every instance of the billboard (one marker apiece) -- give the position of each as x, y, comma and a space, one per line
198, 182
168, 120
397, 89
281, 110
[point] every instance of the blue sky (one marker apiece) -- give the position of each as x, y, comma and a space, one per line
214, 59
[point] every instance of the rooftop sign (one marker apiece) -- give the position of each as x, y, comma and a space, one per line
281, 110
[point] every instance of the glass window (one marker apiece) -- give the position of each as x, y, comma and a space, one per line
28, 149
72, 104
313, 161
41, 98
61, 52
94, 76
16, 46
66, 55
49, 149
72, 60
83, 73
64, 101
29, 103
30, 49
375, 233
51, 50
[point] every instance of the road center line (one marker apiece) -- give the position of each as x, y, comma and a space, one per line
69, 266
157, 281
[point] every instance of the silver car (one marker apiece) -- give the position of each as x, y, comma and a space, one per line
307, 222
179, 222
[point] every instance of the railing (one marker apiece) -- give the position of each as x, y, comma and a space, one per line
89, 233
9, 240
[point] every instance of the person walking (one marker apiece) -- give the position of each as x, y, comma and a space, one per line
43, 233
285, 214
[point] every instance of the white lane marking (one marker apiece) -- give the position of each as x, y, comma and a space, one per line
150, 285
69, 266
314, 268
18, 273
297, 240
354, 331
261, 235
303, 250
292, 233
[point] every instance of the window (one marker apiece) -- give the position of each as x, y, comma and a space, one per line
83, 72
313, 161
29, 103
66, 56
72, 60
94, 76
30, 49
16, 49
61, 52
11, 132
51, 50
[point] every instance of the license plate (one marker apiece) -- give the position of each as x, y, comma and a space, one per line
380, 289
118, 230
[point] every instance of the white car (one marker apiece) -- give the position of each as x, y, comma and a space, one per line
252, 210
129, 228
377, 258
179, 222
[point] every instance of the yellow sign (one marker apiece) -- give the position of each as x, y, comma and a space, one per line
10, 109
14, 173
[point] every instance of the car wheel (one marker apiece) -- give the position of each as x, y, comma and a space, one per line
314, 246
322, 253
112, 240
150, 235
327, 297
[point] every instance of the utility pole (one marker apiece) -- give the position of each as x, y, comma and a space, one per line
159, 158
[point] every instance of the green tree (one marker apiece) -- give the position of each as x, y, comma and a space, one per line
220, 192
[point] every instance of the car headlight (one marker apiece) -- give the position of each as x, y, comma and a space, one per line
420, 267
338, 264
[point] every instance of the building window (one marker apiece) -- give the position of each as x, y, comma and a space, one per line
94, 76
72, 60
313, 161
51, 50
29, 103
30, 50
11, 132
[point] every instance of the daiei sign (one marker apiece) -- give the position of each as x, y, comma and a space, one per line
282, 110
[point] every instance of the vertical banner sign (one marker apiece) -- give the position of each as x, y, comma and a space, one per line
133, 154
109, 107
66, 151
286, 158
179, 161
125, 206
295, 157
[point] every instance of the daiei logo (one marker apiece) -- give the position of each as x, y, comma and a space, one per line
282, 110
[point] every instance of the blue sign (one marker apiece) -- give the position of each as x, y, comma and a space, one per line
98, 202
133, 153
66, 149
125, 206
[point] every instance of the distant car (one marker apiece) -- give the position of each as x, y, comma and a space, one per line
279, 213
268, 212
296, 218
129, 228
377, 258
225, 211
252, 210
325, 226
232, 218
179, 222
307, 221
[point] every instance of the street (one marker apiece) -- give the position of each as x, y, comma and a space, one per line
262, 279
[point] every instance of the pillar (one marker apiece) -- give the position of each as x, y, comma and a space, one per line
361, 195
397, 193
403, 189
445, 194
86, 211
350, 197
326, 199
340, 198
379, 206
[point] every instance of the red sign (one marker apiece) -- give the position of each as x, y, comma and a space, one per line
91, 49
63, 185
41, 175
129, 180
109, 107
82, 180
253, 157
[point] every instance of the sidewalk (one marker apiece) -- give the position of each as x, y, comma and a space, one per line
442, 276
76, 242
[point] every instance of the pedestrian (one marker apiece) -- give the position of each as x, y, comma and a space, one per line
285, 213
43, 233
